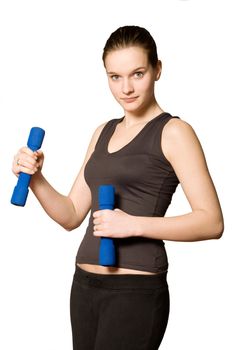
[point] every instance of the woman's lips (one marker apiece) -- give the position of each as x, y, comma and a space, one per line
129, 99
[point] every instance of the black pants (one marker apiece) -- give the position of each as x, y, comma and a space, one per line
118, 312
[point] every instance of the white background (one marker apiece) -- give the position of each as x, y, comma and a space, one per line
51, 75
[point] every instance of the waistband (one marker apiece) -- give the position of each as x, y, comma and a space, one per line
125, 281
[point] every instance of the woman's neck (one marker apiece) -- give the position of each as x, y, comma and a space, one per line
142, 117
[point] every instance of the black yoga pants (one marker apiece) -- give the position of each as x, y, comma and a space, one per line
118, 312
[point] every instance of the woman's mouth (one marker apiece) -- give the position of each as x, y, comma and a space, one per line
129, 99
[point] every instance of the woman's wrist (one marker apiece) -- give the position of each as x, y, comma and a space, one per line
36, 179
136, 226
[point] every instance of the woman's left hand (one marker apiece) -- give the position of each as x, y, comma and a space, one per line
113, 224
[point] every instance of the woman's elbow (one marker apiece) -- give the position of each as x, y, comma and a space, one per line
68, 228
219, 230
70, 225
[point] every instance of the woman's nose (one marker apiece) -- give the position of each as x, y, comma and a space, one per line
127, 87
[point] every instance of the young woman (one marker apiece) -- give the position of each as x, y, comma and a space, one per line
144, 154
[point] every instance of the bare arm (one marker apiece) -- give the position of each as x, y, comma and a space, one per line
68, 211
183, 150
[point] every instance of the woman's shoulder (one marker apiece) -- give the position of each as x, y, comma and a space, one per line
100, 128
177, 127
178, 135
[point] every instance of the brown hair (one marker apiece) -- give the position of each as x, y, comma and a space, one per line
132, 36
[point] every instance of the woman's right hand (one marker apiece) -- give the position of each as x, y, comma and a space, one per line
27, 161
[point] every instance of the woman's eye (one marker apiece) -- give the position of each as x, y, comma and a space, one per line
115, 77
138, 74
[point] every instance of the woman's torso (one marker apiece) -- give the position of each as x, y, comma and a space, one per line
112, 270
121, 143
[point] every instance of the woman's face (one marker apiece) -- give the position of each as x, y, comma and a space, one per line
131, 78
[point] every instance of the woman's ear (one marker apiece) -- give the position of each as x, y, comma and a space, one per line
158, 70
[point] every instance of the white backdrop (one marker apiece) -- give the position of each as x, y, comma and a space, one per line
51, 75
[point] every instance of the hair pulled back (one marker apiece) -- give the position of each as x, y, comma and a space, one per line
128, 36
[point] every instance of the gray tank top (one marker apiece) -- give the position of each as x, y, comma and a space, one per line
144, 182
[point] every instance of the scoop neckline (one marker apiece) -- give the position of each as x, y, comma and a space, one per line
135, 137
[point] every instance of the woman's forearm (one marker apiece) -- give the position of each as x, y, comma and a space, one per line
195, 226
59, 207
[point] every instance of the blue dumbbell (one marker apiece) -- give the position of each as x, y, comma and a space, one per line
107, 255
20, 193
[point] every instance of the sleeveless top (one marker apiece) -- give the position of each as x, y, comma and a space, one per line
144, 182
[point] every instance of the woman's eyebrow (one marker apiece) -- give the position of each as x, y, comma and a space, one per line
134, 70
139, 68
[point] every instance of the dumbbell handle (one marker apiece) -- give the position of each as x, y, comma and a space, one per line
20, 193
107, 255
